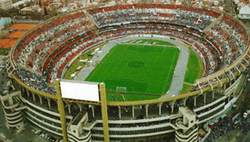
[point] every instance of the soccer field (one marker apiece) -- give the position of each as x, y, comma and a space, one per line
144, 70
139, 69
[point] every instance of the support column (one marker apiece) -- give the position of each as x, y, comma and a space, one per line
133, 112
184, 101
61, 110
40, 99
146, 109
160, 106
205, 98
80, 107
33, 97
104, 108
195, 103
172, 107
69, 108
119, 112
49, 104
93, 111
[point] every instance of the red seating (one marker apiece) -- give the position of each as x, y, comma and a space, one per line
161, 6
55, 57
31, 36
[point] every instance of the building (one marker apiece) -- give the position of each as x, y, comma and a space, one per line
244, 12
4, 22
37, 99
6, 4
21, 3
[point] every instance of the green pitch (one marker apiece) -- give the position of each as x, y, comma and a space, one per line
140, 69
145, 71
193, 71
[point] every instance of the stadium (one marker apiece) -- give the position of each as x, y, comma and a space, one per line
168, 72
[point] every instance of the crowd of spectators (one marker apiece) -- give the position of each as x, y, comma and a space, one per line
229, 42
219, 129
227, 125
175, 16
36, 81
49, 36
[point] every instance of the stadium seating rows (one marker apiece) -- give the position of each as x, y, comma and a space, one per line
47, 50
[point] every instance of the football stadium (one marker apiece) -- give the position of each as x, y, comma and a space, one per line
128, 73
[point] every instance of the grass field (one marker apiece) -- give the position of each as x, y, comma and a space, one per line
194, 70
142, 69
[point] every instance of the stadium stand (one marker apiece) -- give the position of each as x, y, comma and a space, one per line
42, 56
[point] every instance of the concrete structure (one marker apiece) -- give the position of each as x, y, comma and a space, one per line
244, 12
4, 22
6, 4
38, 100
21, 2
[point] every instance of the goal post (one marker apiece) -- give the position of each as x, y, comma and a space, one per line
121, 91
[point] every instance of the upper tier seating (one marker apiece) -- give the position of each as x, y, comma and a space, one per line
46, 52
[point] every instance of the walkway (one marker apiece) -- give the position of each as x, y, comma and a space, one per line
180, 70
